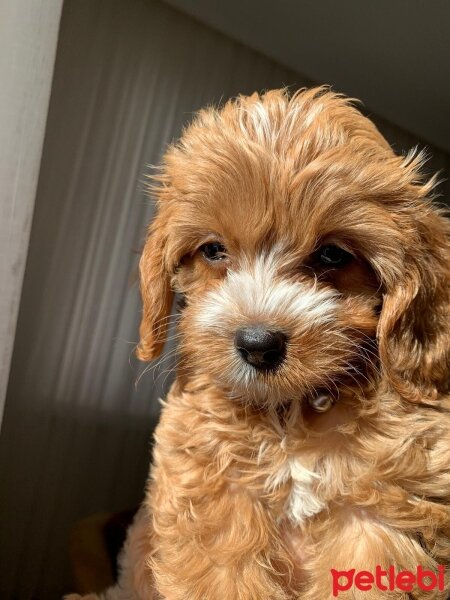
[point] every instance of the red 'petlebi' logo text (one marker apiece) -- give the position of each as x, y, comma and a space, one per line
389, 579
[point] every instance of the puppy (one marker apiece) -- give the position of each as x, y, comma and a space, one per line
308, 429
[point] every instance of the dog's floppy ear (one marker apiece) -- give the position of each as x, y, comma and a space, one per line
156, 293
414, 327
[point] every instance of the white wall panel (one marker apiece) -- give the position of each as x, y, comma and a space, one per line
28, 37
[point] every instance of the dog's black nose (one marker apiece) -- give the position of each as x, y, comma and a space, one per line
261, 348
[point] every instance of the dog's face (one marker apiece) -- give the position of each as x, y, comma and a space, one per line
297, 238
280, 297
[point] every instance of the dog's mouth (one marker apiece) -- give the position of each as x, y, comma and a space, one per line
274, 382
273, 374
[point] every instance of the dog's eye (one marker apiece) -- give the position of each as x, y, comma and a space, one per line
333, 256
213, 251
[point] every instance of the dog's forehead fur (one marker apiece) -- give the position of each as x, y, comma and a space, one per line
268, 140
270, 168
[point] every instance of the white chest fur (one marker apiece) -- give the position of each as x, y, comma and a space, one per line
302, 501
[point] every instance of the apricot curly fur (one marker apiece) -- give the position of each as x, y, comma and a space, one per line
272, 176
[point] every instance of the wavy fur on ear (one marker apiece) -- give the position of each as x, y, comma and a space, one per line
414, 326
156, 293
